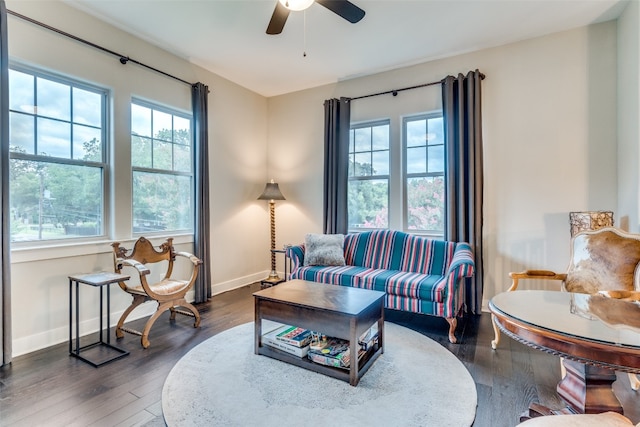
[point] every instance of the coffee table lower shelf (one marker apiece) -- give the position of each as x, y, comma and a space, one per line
364, 363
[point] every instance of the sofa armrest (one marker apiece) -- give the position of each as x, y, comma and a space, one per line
296, 255
462, 263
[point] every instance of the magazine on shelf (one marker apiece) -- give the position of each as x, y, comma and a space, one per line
335, 352
332, 352
294, 335
270, 339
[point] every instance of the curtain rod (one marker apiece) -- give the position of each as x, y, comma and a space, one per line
123, 58
394, 92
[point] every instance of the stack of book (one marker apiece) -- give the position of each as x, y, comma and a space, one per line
290, 339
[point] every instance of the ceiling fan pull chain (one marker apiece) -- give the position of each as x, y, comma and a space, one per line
304, 35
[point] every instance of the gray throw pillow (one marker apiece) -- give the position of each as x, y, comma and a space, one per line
324, 249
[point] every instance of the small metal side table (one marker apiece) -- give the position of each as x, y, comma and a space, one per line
101, 280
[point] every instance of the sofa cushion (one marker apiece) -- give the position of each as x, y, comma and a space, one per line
324, 249
393, 282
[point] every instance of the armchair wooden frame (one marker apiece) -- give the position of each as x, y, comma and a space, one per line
169, 292
562, 277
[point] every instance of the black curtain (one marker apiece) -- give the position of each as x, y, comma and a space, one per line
337, 122
202, 227
461, 106
5, 272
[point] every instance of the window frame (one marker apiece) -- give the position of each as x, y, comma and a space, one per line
370, 124
174, 112
405, 175
104, 165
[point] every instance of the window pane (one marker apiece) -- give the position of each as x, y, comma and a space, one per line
21, 92
362, 164
162, 126
54, 99
87, 107
54, 138
141, 152
416, 133
87, 144
161, 202
436, 131
21, 133
362, 139
140, 120
182, 158
162, 155
425, 204
436, 158
368, 203
380, 137
181, 130
380, 162
416, 160
54, 201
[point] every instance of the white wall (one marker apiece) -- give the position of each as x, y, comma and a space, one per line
237, 137
629, 117
549, 116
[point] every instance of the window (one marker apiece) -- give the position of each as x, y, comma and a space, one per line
368, 191
57, 135
403, 194
162, 162
424, 174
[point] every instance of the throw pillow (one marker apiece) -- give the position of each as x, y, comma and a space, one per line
324, 249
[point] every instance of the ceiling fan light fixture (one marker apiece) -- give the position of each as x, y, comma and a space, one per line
296, 5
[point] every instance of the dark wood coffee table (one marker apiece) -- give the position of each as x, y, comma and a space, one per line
337, 311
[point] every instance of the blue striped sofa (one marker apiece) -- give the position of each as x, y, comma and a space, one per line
418, 274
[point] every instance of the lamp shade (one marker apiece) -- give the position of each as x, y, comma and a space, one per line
271, 192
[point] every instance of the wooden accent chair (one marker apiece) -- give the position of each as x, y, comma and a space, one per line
168, 292
602, 261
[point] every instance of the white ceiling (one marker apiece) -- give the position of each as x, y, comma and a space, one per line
228, 37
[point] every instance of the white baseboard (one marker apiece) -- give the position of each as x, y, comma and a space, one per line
88, 326
55, 336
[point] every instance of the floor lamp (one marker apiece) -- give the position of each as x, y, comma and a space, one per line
272, 193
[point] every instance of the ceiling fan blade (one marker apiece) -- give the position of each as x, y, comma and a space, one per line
344, 8
278, 19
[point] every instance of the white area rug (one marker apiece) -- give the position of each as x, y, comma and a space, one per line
221, 382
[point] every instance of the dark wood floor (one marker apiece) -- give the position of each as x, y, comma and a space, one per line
49, 388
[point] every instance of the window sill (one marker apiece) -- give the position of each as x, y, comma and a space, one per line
48, 250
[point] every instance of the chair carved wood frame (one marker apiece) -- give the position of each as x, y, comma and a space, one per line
606, 261
169, 292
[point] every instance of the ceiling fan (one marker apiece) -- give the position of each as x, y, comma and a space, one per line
344, 8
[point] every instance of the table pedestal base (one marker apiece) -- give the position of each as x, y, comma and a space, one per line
588, 389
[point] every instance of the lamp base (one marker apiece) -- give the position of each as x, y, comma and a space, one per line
272, 280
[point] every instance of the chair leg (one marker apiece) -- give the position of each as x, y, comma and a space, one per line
195, 312
137, 300
144, 339
635, 381
496, 333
